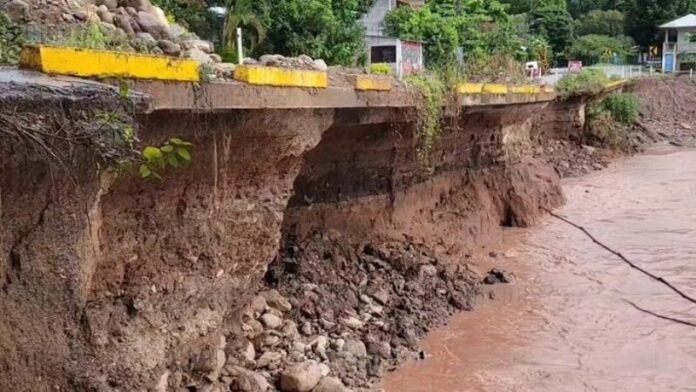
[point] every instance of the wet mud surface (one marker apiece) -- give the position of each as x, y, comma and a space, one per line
565, 324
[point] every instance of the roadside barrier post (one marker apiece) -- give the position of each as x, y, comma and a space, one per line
240, 55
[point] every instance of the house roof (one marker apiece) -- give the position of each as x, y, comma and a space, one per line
684, 21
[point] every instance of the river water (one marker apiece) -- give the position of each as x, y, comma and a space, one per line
565, 325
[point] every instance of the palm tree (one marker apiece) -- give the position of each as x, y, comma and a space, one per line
240, 14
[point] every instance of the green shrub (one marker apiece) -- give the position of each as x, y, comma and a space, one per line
10, 40
380, 69
495, 67
588, 80
623, 107
609, 122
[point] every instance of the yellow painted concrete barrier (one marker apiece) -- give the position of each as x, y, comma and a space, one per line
615, 83
470, 88
494, 88
547, 89
373, 83
107, 64
281, 77
527, 89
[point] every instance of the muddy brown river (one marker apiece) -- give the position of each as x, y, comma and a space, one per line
565, 325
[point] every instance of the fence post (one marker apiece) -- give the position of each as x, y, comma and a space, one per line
240, 55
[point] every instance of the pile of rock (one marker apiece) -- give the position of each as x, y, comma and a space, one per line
144, 26
361, 309
339, 315
302, 62
269, 353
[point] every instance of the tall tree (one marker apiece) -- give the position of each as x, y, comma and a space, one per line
579, 7
609, 23
555, 24
644, 16
327, 29
240, 14
476, 26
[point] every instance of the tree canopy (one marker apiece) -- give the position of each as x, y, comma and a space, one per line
595, 48
555, 24
644, 16
331, 29
609, 23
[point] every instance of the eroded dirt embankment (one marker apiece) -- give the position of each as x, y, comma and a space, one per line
111, 283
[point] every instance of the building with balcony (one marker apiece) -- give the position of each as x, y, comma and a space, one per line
679, 48
404, 56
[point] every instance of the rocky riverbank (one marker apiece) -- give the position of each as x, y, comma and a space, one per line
335, 317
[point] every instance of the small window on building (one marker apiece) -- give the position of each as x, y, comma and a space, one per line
383, 54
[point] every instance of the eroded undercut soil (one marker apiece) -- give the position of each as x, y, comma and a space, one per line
301, 250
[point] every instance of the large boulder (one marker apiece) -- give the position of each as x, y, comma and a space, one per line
17, 10
199, 44
330, 384
168, 47
147, 38
247, 381
176, 30
109, 4
123, 21
139, 5
198, 55
300, 377
104, 14
151, 24
158, 13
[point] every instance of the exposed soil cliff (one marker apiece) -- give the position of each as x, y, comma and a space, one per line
112, 283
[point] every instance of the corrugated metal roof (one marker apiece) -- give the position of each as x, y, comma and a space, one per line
684, 21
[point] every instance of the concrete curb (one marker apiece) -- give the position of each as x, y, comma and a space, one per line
373, 83
107, 64
280, 77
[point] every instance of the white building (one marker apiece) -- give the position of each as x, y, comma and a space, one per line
678, 43
404, 56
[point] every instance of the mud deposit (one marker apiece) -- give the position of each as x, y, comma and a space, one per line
566, 325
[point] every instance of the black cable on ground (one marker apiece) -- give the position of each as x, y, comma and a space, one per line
676, 320
634, 266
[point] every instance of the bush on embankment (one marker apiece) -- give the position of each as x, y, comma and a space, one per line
610, 121
587, 81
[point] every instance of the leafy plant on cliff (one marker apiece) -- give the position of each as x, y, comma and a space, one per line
432, 89
10, 40
174, 153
